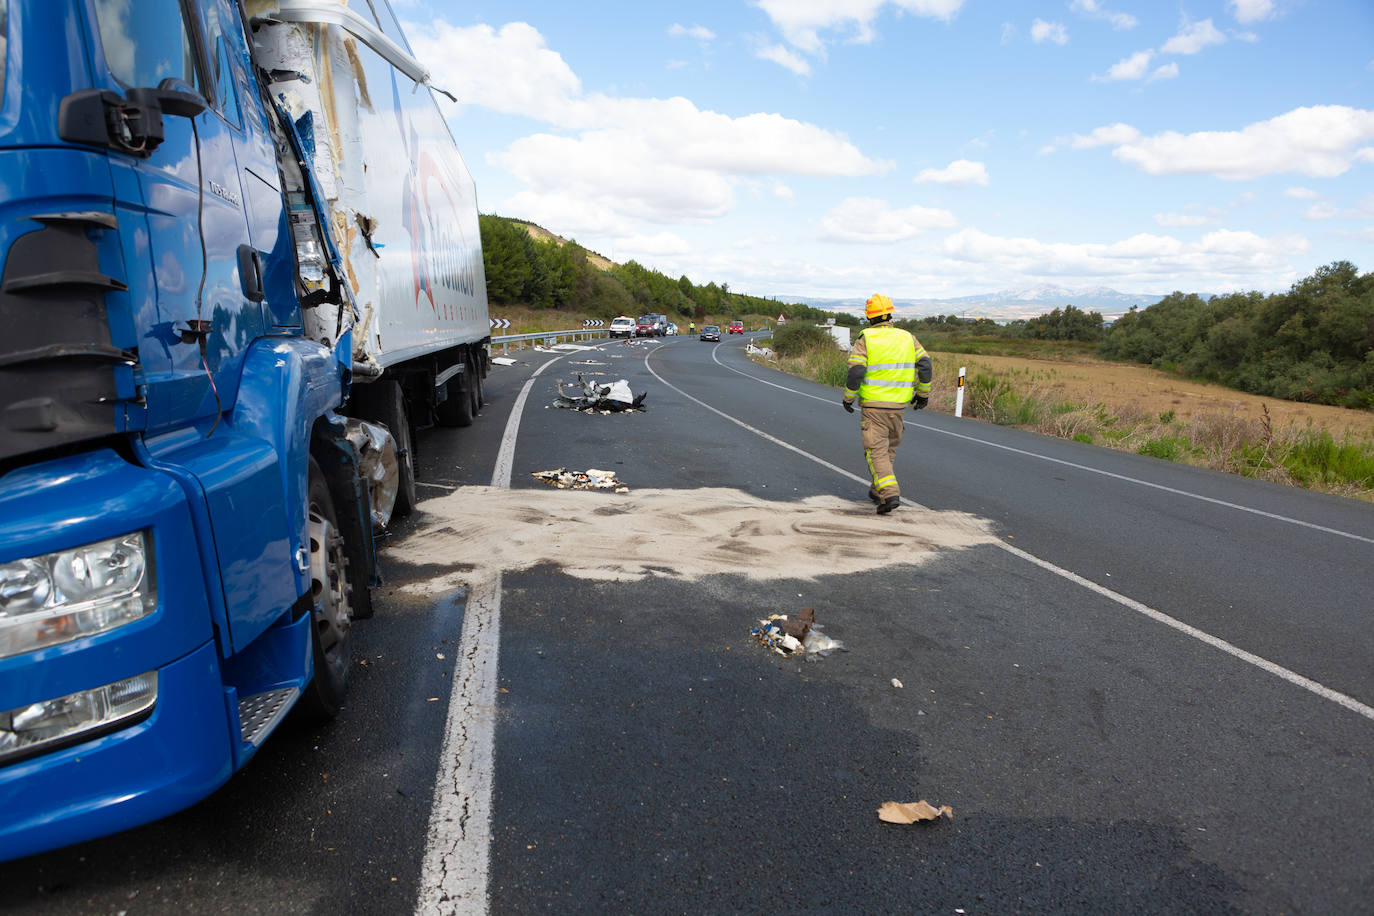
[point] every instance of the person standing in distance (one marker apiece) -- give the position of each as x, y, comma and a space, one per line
888, 369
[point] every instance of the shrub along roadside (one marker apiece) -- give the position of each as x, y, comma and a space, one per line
1307, 456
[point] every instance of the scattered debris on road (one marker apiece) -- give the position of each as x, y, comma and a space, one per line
758, 351
799, 635
612, 398
504, 361
912, 812
896, 683
590, 479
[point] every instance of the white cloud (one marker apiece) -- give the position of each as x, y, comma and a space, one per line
1299, 193
867, 219
1008, 32
620, 169
663, 160
783, 192
1129, 68
785, 57
1182, 220
1221, 253
512, 70
1251, 10
802, 23
643, 247
1167, 72
1049, 31
1324, 210
1193, 38
1319, 141
1112, 135
960, 172
1093, 9
699, 32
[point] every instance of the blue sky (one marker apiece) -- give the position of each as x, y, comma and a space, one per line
923, 148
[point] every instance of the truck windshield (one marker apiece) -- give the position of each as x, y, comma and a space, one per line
142, 50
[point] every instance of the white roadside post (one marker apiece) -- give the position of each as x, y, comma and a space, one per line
959, 396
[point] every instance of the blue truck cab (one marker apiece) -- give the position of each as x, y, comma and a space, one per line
184, 531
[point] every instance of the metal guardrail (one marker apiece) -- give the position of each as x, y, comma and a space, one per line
548, 338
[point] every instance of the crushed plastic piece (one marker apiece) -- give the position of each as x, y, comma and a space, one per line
590, 479
594, 398
913, 812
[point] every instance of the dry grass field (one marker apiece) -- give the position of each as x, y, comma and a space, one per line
1124, 389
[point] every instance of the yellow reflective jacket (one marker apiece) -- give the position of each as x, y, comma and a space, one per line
887, 368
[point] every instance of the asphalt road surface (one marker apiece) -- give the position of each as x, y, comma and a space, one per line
1140, 687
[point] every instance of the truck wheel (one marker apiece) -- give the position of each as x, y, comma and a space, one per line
331, 617
475, 384
393, 414
457, 408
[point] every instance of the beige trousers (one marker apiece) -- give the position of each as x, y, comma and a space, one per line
880, 430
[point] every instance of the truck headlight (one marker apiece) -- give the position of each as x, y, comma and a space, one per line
80, 716
66, 595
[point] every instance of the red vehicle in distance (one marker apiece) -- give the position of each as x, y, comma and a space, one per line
736, 327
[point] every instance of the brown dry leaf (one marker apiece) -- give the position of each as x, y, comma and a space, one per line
911, 812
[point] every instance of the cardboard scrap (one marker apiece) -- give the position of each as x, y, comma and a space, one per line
912, 812
590, 479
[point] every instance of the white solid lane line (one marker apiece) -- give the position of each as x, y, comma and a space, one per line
1216, 642
454, 876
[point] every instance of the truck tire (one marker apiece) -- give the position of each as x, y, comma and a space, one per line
393, 414
475, 383
457, 407
331, 617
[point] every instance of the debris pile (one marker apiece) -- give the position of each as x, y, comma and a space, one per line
795, 636
590, 479
758, 351
610, 398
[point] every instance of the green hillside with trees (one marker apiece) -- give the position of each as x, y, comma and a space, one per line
1314, 343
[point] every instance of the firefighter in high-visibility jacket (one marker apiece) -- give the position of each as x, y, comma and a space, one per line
888, 369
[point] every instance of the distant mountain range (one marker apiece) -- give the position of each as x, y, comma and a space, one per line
1003, 305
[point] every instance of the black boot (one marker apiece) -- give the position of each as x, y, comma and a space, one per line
888, 504
873, 495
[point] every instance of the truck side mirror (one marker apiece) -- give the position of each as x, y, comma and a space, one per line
133, 124
172, 96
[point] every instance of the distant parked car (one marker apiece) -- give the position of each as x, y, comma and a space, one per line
736, 327
622, 327
672, 330
711, 332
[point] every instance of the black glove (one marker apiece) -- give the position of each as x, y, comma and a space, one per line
919, 403
848, 405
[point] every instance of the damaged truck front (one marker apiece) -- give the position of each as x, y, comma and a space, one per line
232, 235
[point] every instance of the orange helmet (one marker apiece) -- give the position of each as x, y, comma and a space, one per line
878, 306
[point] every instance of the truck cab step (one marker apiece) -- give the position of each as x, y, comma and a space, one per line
261, 712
